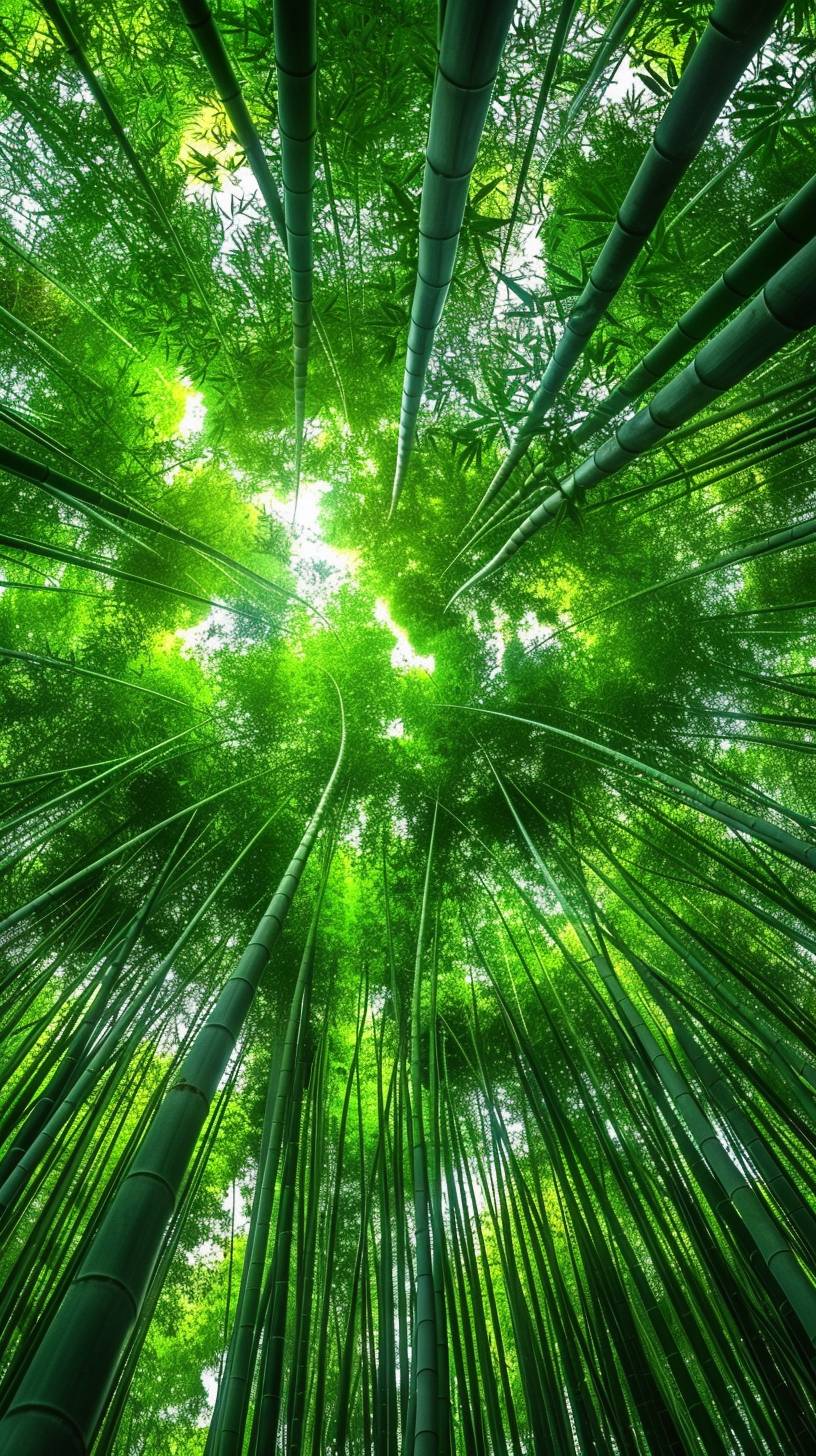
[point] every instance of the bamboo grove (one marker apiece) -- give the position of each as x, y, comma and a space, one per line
407, 822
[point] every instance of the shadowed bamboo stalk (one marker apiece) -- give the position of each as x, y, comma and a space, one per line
109, 569
735, 31
227, 1428
213, 51
793, 226
471, 43
87, 498
426, 1338
295, 27
59, 1402
785, 308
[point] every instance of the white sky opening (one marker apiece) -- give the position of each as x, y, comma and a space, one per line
319, 569
195, 412
403, 656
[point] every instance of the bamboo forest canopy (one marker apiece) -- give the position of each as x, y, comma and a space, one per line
407, 620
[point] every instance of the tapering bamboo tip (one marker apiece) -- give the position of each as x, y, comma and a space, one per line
460, 591
396, 491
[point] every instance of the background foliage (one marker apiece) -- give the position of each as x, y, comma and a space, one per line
599, 1289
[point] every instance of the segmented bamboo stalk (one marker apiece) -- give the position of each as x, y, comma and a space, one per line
472, 38
295, 26
298, 148
794, 225
735, 31
59, 1402
425, 1372
785, 308
213, 52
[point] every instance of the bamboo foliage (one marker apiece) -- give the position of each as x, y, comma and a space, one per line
494, 1130
73, 43
208, 39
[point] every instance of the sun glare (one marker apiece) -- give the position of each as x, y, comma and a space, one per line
195, 412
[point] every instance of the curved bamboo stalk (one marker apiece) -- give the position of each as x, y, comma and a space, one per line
794, 225
37, 659
785, 308
86, 497
107, 568
730, 814
213, 52
735, 31
470, 49
61, 1397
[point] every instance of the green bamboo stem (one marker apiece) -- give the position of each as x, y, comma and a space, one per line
79, 1090
228, 1432
470, 49
109, 569
784, 309
425, 1372
295, 29
794, 225
59, 1402
208, 39
86, 498
735, 31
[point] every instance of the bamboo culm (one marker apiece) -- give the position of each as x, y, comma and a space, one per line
295, 27
58, 1405
792, 227
735, 31
784, 309
471, 43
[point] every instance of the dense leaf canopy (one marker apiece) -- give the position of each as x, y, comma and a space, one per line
489, 1124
